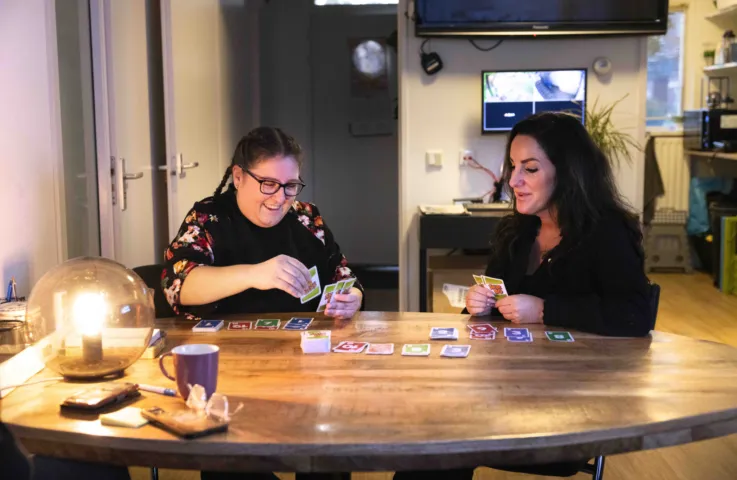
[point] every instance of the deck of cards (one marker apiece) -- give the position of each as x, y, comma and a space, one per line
380, 349
455, 351
316, 341
342, 287
208, 326
521, 335
242, 325
496, 285
267, 324
481, 331
443, 333
298, 323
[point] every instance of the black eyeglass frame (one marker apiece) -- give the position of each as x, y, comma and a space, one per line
261, 182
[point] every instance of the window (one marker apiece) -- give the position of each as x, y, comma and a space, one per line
665, 74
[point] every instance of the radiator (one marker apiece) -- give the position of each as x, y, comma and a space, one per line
674, 170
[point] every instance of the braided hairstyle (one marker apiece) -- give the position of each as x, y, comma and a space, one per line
260, 144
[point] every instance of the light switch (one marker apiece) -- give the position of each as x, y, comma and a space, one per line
434, 158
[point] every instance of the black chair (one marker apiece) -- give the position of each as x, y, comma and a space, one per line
151, 275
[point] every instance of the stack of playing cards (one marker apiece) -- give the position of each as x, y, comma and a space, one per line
481, 331
316, 341
559, 336
455, 351
298, 323
380, 349
208, 326
267, 324
443, 333
496, 285
350, 347
242, 325
313, 288
521, 335
342, 287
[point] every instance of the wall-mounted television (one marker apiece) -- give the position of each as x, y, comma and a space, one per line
511, 96
502, 18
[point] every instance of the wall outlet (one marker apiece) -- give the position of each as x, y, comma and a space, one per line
464, 156
434, 158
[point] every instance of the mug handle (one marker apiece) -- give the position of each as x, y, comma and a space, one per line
161, 366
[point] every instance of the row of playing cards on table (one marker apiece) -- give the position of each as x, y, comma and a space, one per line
496, 285
295, 323
319, 342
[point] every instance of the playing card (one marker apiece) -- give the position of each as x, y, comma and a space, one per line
380, 349
524, 339
347, 286
298, 323
416, 349
315, 341
267, 324
350, 347
443, 333
208, 326
482, 336
457, 351
485, 328
327, 295
246, 325
516, 332
479, 279
559, 336
314, 287
496, 285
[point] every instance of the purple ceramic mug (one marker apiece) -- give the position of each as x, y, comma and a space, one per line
195, 364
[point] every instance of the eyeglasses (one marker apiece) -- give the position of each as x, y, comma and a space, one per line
270, 187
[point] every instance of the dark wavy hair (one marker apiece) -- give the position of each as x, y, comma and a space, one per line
260, 144
584, 192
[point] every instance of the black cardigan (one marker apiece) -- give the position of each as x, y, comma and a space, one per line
599, 286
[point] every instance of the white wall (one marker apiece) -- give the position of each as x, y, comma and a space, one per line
30, 143
443, 113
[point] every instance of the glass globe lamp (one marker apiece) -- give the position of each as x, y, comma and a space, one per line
91, 318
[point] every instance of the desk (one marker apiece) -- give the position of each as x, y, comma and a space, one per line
509, 403
704, 163
454, 231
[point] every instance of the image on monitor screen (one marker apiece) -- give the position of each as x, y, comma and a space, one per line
509, 97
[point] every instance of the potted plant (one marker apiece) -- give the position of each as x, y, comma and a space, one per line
709, 57
613, 142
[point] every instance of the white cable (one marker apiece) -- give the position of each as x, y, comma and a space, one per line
51, 379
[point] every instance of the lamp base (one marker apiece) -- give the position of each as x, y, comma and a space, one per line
79, 369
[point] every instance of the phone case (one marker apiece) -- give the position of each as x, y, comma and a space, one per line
98, 397
185, 423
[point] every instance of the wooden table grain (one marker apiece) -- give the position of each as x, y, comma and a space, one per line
507, 403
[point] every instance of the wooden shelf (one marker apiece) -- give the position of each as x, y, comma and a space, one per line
725, 68
705, 154
723, 14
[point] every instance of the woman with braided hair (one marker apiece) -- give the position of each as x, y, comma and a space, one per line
247, 249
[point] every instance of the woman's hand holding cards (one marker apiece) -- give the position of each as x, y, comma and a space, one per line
282, 272
521, 308
480, 300
344, 306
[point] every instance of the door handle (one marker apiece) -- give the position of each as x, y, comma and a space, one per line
181, 166
121, 182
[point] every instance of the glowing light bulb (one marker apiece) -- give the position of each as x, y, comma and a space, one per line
89, 316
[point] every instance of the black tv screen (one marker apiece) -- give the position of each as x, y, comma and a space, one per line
540, 17
510, 96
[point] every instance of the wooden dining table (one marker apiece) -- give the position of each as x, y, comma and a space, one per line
505, 404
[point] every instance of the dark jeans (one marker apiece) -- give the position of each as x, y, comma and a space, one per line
271, 476
560, 469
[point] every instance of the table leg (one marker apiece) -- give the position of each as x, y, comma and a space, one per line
423, 280
154, 473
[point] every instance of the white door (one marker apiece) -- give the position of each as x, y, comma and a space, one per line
127, 176
207, 104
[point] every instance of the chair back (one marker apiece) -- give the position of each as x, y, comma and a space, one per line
654, 302
151, 275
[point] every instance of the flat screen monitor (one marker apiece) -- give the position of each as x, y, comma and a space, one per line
527, 18
510, 96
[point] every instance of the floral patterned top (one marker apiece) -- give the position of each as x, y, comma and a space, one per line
216, 233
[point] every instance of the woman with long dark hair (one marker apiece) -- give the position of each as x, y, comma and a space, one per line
571, 254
